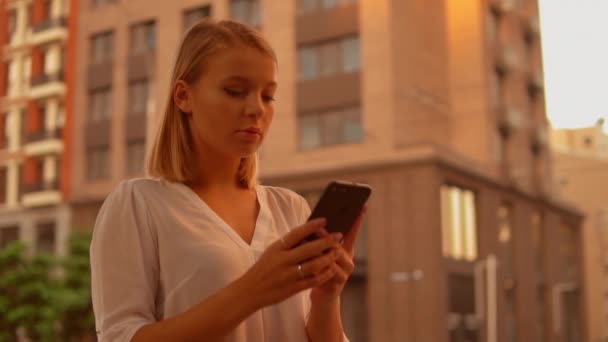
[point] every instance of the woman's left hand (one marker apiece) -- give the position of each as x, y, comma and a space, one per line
343, 266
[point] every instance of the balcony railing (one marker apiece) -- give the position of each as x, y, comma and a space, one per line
57, 76
43, 135
41, 186
50, 23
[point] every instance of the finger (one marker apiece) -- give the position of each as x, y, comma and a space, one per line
345, 262
316, 279
340, 275
314, 248
318, 264
351, 236
299, 233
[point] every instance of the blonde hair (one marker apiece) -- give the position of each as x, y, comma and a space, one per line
171, 154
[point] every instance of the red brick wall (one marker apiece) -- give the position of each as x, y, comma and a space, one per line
33, 118
3, 41
37, 61
31, 171
69, 69
38, 11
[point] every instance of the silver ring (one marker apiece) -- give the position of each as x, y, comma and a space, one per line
300, 270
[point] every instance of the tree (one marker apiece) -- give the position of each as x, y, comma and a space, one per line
11, 264
73, 300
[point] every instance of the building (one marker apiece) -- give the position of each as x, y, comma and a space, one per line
438, 106
35, 119
581, 169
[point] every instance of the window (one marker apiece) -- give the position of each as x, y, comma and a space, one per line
143, 38
568, 251
138, 97
308, 63
100, 104
98, 3
459, 223
136, 153
12, 24
329, 58
351, 54
309, 6
192, 16
3, 184
247, 11
45, 237
8, 235
98, 163
332, 127
102, 47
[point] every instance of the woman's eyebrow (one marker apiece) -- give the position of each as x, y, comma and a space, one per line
245, 80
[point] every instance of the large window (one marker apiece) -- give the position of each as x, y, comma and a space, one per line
136, 153
102, 47
138, 97
98, 3
100, 104
8, 235
332, 127
459, 223
98, 163
310, 6
247, 11
143, 38
539, 247
193, 15
45, 237
3, 184
329, 58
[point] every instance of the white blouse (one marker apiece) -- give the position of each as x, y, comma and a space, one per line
158, 250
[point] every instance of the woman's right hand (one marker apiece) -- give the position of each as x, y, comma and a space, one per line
288, 267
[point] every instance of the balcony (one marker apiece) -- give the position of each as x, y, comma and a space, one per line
43, 142
47, 85
51, 29
41, 193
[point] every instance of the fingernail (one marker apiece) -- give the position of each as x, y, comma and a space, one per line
324, 232
337, 236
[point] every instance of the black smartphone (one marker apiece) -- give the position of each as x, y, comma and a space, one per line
340, 204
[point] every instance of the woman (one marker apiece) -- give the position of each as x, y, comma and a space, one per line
200, 251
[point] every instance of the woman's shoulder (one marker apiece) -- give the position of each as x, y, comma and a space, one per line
139, 189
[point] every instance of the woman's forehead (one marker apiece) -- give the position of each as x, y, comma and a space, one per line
241, 63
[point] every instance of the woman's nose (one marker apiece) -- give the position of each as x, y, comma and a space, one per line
254, 105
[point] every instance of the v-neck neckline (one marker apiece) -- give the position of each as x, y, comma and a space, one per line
260, 222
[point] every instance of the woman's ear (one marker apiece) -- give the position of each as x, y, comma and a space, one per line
183, 97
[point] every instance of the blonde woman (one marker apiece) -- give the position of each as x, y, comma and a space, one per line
199, 251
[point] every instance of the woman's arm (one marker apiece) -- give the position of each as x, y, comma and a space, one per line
325, 323
274, 278
209, 320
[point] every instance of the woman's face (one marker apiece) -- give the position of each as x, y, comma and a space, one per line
232, 104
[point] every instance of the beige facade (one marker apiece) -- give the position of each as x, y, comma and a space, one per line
581, 169
438, 105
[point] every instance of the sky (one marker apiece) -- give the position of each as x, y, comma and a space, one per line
575, 59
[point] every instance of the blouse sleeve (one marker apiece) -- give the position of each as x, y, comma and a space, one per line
304, 212
124, 266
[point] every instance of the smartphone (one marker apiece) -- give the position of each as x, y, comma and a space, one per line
340, 204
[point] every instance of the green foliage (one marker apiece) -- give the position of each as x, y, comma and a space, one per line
49, 297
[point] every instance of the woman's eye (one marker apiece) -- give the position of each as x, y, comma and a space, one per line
267, 98
234, 92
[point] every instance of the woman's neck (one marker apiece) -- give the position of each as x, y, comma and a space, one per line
216, 173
